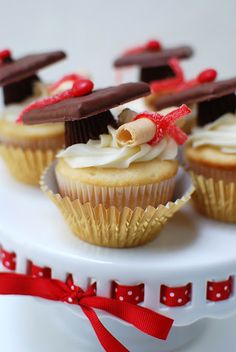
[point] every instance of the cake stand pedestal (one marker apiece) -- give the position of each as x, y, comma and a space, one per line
191, 250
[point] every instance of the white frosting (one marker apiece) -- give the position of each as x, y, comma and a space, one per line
221, 133
105, 152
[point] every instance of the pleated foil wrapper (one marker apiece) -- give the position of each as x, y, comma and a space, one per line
110, 226
130, 196
215, 197
26, 165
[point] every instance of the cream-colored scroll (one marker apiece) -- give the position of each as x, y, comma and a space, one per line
136, 132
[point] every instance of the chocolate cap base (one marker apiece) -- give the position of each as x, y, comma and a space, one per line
211, 110
82, 130
19, 91
149, 74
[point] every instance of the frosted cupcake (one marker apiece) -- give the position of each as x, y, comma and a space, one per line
211, 155
26, 150
102, 172
113, 191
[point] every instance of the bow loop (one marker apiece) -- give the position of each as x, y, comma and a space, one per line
144, 319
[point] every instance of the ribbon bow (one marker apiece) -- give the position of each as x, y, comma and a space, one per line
144, 319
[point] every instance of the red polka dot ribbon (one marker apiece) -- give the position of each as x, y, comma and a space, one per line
8, 259
131, 294
146, 320
38, 271
176, 296
219, 291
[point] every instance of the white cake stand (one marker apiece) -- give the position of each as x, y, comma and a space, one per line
190, 249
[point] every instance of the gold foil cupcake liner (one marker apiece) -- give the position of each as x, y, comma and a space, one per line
130, 196
212, 172
111, 227
26, 165
54, 143
214, 198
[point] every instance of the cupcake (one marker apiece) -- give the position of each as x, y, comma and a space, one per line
101, 172
113, 191
27, 150
211, 153
159, 67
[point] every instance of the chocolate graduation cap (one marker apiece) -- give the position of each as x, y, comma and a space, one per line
87, 116
153, 60
18, 76
213, 99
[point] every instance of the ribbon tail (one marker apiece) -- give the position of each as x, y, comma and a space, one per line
108, 342
146, 320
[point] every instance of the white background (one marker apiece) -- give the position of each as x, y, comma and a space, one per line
93, 33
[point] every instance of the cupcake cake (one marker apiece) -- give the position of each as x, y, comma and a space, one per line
114, 188
159, 67
27, 150
211, 151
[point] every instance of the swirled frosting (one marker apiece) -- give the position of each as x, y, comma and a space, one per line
221, 134
105, 153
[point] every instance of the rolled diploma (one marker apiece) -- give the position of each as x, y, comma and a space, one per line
136, 132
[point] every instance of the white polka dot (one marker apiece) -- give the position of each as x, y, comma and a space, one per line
164, 298
210, 288
3, 255
40, 274
116, 289
226, 288
130, 293
218, 295
186, 292
136, 298
34, 275
179, 300
70, 300
7, 263
121, 298
172, 294
72, 287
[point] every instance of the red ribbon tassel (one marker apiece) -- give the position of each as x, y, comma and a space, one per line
4, 54
206, 76
151, 45
80, 87
169, 84
144, 319
72, 77
178, 83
